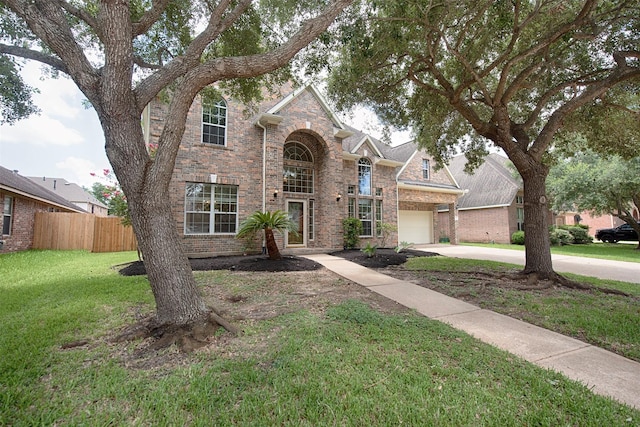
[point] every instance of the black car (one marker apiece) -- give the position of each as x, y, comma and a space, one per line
614, 235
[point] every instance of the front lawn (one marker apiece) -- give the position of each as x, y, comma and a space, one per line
612, 251
609, 321
316, 350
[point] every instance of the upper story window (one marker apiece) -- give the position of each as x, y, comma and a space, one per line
297, 176
425, 168
7, 215
519, 200
214, 123
364, 177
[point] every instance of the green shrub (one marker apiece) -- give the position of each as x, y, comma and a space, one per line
402, 246
369, 250
352, 231
517, 238
580, 234
561, 237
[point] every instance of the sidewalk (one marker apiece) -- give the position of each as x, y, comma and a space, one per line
604, 372
600, 268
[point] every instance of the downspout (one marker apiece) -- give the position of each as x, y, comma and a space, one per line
264, 176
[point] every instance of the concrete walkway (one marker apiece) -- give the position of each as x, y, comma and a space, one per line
600, 268
604, 372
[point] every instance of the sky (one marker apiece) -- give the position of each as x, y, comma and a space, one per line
65, 140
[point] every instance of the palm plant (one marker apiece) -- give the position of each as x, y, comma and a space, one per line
268, 221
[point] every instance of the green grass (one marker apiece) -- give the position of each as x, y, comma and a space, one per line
352, 366
608, 321
616, 252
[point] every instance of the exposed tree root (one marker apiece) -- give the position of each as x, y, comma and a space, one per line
537, 281
186, 337
554, 278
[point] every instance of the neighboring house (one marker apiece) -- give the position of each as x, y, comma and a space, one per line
594, 222
21, 198
294, 154
74, 193
492, 207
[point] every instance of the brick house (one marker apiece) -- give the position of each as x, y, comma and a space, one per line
293, 154
21, 198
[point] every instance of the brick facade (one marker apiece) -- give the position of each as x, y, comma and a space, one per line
302, 118
22, 222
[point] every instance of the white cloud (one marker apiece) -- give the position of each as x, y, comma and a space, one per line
41, 130
79, 171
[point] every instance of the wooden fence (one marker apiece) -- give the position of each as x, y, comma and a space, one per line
65, 231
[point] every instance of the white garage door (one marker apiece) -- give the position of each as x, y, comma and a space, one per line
415, 226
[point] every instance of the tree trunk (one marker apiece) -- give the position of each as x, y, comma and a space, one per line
178, 301
272, 246
536, 227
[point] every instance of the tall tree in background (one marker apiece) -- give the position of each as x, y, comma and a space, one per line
603, 185
123, 53
511, 72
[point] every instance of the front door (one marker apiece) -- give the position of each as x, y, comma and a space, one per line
296, 210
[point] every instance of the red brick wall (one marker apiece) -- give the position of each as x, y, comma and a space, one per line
240, 163
21, 237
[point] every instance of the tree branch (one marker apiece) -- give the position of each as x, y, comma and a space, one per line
149, 17
216, 69
34, 55
81, 14
579, 20
592, 92
180, 65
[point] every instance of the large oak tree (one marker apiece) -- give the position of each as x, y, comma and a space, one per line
511, 72
123, 53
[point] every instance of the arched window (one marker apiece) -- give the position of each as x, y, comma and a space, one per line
214, 123
364, 177
298, 168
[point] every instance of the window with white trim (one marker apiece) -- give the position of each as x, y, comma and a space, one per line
214, 123
364, 177
425, 168
7, 215
211, 209
365, 215
298, 169
378, 217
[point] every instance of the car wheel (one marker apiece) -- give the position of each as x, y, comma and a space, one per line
607, 239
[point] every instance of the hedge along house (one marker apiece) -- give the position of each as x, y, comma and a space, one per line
294, 154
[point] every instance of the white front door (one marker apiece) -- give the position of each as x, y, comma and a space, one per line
296, 210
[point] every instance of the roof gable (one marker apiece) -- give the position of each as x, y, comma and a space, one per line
276, 109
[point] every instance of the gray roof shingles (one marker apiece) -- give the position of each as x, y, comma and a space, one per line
10, 180
491, 184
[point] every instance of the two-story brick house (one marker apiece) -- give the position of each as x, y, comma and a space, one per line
293, 154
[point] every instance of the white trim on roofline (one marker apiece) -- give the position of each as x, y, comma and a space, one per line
406, 186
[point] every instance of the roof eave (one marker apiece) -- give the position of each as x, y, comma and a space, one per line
406, 186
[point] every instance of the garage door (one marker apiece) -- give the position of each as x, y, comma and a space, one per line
415, 226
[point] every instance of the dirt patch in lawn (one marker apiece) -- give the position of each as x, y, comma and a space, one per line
250, 289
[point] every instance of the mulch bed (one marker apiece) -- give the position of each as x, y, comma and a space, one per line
383, 258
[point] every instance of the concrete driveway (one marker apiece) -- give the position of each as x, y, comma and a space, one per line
600, 268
